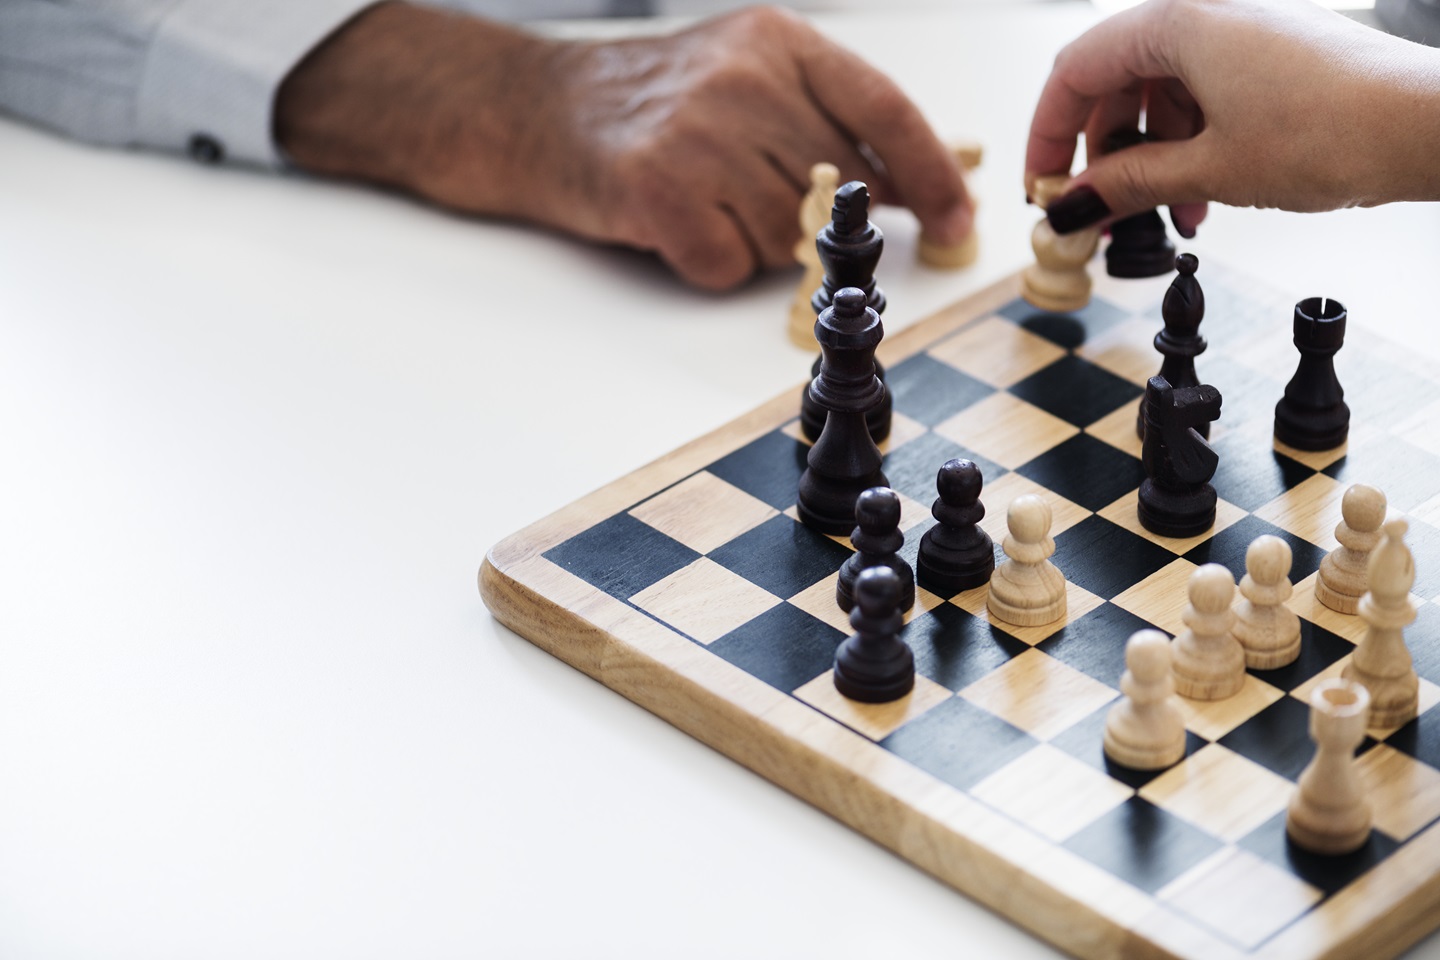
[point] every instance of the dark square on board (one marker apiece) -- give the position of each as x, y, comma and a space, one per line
1143, 845
1085, 741
768, 468
1068, 330
784, 646
1319, 648
621, 555
1095, 643
1278, 738
1228, 548
1252, 472
1076, 390
958, 742
912, 467
955, 648
1105, 558
928, 391
782, 555
1423, 539
1423, 639
1410, 473
1330, 873
1086, 471
1420, 738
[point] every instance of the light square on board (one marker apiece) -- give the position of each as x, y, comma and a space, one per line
874, 720
1221, 791
1212, 719
1422, 428
1125, 513
1309, 510
998, 496
1117, 428
1404, 793
1314, 459
1078, 602
1241, 897
1051, 792
703, 512
1161, 598
1308, 607
1006, 429
704, 600
996, 352
1039, 694
820, 602
1126, 350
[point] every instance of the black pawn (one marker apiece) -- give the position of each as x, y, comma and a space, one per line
956, 554
1176, 499
844, 462
1180, 341
1139, 245
849, 247
875, 665
877, 539
1313, 414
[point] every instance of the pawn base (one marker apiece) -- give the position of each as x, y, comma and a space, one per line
1394, 701
1334, 599
1305, 833
1273, 659
948, 256
1143, 756
871, 682
1025, 615
1054, 293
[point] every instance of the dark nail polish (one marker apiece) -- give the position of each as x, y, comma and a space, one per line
1029, 199
1187, 232
1078, 209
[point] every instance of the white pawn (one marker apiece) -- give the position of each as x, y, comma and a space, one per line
1343, 579
1209, 661
1058, 280
814, 214
1145, 729
1329, 813
952, 256
1027, 589
1267, 629
1381, 662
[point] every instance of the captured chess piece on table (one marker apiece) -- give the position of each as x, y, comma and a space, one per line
1267, 629
1058, 281
877, 540
814, 214
1179, 341
874, 665
1345, 572
849, 247
1027, 590
1381, 661
844, 462
953, 256
956, 554
1313, 414
1176, 498
1209, 662
1139, 245
1329, 814
1145, 729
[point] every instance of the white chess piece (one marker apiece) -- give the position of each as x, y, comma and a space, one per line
1329, 813
1267, 629
1209, 661
1381, 662
1027, 589
1343, 578
1058, 280
814, 214
1145, 730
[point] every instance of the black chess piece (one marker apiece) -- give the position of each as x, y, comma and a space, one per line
877, 539
849, 247
956, 554
1139, 245
1176, 499
874, 665
1180, 341
1313, 414
844, 462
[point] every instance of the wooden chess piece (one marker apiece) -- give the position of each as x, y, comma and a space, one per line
1139, 245
1329, 813
1176, 498
877, 540
814, 214
1209, 661
844, 462
953, 256
1027, 589
1313, 414
1058, 281
956, 554
1179, 340
1267, 629
1344, 573
1145, 730
1381, 661
874, 665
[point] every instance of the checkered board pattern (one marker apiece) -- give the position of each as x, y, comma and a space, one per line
690, 587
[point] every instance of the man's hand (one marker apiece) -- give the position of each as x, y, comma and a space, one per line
696, 145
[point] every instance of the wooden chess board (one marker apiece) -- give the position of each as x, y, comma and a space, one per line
689, 587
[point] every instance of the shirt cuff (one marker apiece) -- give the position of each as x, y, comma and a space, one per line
213, 68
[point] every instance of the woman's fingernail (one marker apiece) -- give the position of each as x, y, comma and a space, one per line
1029, 199
1187, 232
1078, 209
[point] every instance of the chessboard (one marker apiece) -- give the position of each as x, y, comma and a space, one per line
689, 587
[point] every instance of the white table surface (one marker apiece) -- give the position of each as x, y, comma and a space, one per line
258, 432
